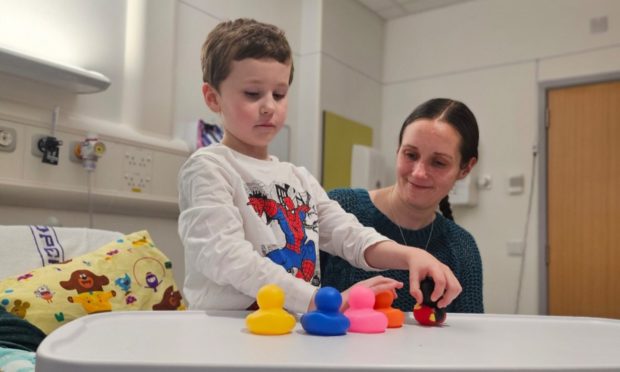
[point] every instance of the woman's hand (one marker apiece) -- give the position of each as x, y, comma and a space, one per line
377, 284
391, 255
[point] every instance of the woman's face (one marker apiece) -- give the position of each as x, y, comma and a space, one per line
428, 163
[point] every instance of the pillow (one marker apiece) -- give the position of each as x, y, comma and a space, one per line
127, 274
24, 247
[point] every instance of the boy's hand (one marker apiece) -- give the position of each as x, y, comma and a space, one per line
422, 264
377, 284
391, 255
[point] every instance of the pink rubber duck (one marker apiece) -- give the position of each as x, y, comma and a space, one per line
363, 318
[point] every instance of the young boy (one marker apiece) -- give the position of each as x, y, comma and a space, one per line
248, 219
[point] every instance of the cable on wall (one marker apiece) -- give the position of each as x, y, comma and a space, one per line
90, 176
526, 228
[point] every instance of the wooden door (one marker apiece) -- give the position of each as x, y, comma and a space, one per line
583, 207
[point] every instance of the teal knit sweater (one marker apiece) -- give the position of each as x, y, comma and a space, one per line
449, 243
16, 333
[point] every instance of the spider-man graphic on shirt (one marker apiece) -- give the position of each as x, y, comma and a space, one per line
298, 256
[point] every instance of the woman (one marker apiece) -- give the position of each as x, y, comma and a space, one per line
437, 145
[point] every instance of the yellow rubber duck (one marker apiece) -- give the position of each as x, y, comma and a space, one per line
270, 318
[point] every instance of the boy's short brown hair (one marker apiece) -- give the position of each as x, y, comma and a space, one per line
240, 39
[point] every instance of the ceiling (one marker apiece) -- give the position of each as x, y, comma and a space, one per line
391, 9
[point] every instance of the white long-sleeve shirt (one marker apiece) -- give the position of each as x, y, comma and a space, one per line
245, 223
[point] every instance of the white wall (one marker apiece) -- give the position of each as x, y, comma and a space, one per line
493, 55
86, 34
352, 63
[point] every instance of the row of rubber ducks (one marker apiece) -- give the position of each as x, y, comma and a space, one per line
367, 312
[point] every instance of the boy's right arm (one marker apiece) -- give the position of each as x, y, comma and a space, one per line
213, 233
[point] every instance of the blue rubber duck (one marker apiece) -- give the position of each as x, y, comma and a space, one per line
326, 320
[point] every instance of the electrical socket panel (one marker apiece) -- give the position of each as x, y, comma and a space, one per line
124, 168
138, 170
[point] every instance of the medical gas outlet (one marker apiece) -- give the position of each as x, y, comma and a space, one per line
89, 151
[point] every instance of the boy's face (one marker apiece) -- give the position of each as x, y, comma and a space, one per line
252, 101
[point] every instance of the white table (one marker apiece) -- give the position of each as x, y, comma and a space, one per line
218, 341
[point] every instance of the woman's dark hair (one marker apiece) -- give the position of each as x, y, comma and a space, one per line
460, 117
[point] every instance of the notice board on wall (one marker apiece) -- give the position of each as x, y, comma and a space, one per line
339, 136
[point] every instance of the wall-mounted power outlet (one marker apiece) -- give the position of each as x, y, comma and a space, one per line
138, 170
137, 183
8, 139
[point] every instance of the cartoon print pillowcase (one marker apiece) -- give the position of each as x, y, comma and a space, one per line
130, 273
